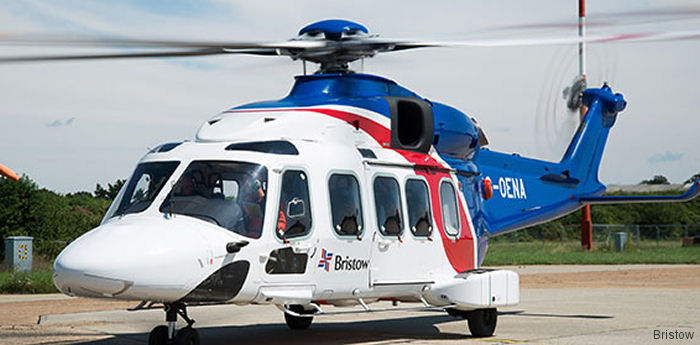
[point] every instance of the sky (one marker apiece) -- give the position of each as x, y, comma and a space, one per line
71, 125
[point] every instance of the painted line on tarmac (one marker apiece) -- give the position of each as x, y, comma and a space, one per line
504, 341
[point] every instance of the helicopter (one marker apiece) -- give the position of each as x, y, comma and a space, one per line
352, 189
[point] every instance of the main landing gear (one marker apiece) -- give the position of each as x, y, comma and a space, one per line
482, 322
166, 335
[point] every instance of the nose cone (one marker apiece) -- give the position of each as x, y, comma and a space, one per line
133, 258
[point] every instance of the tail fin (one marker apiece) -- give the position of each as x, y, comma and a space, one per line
582, 157
526, 197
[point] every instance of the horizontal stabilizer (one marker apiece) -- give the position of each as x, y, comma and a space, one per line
693, 192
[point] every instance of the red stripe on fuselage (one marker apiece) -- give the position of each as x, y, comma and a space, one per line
460, 250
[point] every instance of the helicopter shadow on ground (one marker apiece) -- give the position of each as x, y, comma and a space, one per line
340, 332
565, 316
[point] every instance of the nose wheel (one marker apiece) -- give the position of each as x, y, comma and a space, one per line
168, 335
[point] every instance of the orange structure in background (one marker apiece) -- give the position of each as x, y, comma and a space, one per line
6, 172
586, 228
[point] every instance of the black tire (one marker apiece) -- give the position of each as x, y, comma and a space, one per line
187, 336
158, 336
482, 322
298, 322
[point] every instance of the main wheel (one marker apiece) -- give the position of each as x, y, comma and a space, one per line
158, 336
187, 336
297, 322
482, 322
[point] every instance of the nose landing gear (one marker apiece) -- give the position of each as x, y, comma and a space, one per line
166, 335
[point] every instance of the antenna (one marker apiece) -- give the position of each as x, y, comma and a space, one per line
582, 50
586, 223
581, 34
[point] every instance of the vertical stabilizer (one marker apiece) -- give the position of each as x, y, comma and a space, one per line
583, 156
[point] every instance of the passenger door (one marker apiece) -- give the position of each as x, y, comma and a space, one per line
403, 246
343, 260
288, 259
387, 239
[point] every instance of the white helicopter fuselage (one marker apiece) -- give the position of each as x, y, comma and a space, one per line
160, 255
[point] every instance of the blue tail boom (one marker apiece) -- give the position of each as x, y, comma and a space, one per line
530, 191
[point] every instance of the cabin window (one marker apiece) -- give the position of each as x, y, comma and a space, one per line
418, 201
294, 215
450, 212
388, 203
346, 208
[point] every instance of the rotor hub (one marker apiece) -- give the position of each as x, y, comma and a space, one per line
333, 29
346, 41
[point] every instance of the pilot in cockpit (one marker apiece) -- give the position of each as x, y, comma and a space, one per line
252, 197
185, 187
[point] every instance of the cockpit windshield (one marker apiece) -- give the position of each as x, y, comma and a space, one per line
146, 182
229, 194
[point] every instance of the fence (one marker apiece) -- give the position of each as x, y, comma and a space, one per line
603, 234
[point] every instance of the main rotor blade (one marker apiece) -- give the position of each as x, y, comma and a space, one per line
606, 20
38, 58
546, 41
92, 41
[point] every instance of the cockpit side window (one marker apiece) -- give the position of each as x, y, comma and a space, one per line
346, 207
294, 219
387, 200
418, 201
146, 182
229, 194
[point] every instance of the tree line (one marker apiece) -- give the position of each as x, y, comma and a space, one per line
52, 219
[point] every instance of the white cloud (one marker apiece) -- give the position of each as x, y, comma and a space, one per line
667, 156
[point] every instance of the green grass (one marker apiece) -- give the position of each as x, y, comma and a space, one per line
27, 282
553, 253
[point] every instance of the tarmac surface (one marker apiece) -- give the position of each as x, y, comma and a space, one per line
569, 313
